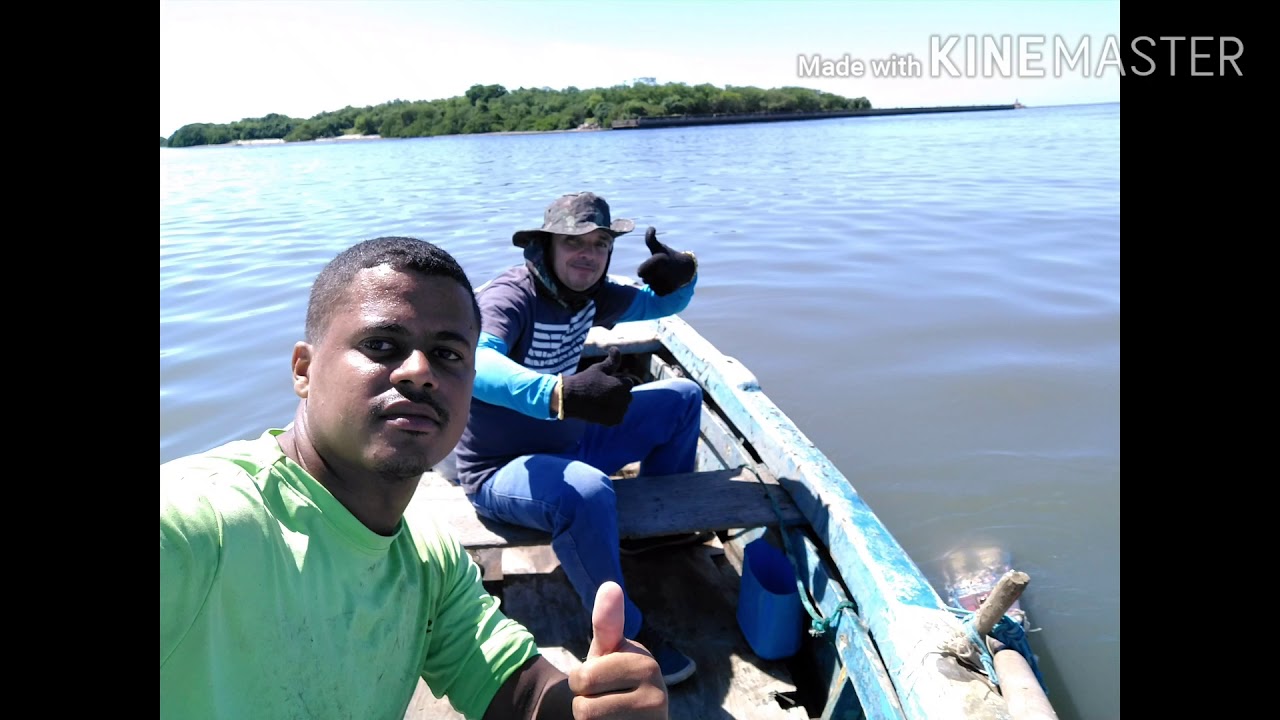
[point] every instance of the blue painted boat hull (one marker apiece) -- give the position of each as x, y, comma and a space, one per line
882, 624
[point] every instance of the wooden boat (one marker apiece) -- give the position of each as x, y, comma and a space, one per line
871, 636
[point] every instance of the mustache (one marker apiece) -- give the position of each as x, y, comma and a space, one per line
424, 397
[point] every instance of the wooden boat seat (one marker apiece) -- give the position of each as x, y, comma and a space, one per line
647, 507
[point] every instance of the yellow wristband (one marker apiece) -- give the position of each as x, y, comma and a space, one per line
560, 414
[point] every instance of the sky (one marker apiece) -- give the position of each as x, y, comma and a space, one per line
226, 60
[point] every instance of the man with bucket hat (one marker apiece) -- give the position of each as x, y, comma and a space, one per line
543, 437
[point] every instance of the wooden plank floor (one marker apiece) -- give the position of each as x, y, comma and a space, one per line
689, 593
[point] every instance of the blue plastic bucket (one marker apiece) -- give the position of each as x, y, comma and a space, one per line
769, 610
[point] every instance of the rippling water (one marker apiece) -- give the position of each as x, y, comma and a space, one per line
934, 300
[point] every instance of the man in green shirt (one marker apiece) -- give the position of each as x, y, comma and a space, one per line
291, 584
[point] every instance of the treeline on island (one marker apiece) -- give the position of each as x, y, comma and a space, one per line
492, 108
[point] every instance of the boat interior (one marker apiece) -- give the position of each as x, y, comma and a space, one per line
689, 593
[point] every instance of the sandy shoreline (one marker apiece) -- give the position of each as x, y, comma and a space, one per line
280, 141
348, 138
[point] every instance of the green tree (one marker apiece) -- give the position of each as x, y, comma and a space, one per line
480, 93
491, 108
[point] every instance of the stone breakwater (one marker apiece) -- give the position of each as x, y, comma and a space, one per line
723, 119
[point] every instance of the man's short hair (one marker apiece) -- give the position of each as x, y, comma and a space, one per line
400, 253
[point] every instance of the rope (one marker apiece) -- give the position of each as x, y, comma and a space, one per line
818, 625
1009, 632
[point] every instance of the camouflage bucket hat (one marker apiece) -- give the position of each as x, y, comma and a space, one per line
575, 214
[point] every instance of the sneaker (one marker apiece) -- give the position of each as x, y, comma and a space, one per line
675, 665
635, 546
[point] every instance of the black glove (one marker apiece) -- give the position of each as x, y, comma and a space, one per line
666, 270
596, 394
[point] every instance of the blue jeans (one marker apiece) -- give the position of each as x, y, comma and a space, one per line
571, 495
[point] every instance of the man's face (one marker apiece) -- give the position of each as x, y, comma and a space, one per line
580, 260
388, 386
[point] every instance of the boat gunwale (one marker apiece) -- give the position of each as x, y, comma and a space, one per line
902, 615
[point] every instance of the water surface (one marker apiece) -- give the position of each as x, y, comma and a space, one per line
933, 299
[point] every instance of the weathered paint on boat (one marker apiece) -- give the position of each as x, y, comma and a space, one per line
889, 647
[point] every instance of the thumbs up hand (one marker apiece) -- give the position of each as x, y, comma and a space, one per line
666, 270
618, 678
